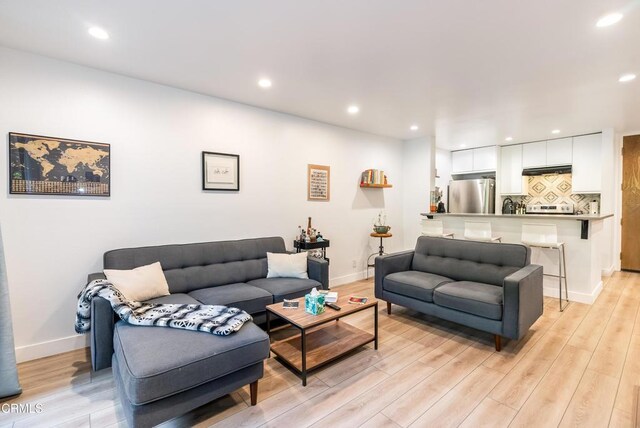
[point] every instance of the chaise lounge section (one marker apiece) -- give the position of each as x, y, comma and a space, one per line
161, 373
487, 286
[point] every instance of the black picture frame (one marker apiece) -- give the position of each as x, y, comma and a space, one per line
27, 176
223, 161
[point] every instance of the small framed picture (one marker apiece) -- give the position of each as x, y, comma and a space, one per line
220, 171
318, 182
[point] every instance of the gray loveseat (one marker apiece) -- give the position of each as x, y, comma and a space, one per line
488, 286
161, 373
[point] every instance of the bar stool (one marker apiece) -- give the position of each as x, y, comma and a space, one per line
380, 249
479, 231
546, 236
434, 228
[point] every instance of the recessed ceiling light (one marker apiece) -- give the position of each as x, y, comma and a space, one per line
508, 139
463, 145
414, 127
609, 19
264, 83
98, 33
555, 131
627, 77
353, 109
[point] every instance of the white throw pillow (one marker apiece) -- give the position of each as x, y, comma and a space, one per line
283, 265
139, 284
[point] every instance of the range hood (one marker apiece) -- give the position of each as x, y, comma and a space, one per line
561, 169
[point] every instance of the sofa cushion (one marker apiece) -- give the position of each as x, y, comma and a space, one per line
158, 362
244, 296
483, 300
484, 262
285, 288
414, 284
177, 298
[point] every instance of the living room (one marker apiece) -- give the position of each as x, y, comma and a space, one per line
348, 124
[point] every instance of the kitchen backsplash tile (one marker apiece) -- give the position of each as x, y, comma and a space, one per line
555, 189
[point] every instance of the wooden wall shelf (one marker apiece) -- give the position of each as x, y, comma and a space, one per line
377, 186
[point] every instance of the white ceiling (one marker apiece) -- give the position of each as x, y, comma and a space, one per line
469, 72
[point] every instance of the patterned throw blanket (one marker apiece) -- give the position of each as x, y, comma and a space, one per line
218, 320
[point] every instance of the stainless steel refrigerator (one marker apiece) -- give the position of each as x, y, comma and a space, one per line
472, 196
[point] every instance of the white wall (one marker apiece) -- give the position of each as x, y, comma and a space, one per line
418, 169
157, 134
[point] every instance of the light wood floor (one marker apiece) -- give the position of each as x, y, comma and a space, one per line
576, 368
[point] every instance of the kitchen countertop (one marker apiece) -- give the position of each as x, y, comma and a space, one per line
553, 216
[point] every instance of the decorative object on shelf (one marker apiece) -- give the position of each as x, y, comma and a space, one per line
318, 182
314, 302
311, 232
380, 223
220, 171
57, 166
374, 178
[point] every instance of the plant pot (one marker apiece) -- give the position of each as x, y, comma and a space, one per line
381, 229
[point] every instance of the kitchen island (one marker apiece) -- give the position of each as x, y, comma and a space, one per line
581, 234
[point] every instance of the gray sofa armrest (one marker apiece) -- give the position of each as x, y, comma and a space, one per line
522, 301
385, 265
101, 334
318, 269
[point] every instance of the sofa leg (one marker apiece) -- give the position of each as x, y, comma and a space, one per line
388, 308
253, 388
498, 340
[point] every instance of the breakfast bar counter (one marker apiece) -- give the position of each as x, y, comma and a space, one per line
581, 234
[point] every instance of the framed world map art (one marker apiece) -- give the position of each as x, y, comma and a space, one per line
57, 166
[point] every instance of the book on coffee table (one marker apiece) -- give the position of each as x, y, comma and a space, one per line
290, 304
355, 300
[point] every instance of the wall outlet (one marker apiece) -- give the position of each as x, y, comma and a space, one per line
353, 264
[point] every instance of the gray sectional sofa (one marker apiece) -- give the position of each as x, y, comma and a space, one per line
161, 373
488, 286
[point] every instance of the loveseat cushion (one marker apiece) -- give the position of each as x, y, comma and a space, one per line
483, 300
243, 296
415, 284
285, 288
158, 362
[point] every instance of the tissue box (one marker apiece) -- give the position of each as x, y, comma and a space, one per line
314, 305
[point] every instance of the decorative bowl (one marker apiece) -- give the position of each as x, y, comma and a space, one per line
381, 229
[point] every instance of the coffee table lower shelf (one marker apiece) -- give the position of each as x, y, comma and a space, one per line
323, 345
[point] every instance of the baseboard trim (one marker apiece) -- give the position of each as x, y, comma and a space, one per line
51, 347
575, 296
346, 279
608, 272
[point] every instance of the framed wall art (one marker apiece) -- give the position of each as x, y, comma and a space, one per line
220, 171
41, 165
318, 182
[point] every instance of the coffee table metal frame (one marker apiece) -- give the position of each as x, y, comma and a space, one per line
302, 373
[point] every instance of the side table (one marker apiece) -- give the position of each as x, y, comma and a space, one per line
302, 245
380, 249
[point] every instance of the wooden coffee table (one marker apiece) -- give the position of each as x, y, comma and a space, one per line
322, 337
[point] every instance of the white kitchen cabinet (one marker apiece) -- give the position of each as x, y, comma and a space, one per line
586, 171
511, 180
560, 151
461, 161
484, 159
534, 155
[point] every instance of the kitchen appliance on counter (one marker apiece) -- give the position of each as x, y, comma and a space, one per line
472, 196
508, 207
550, 209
